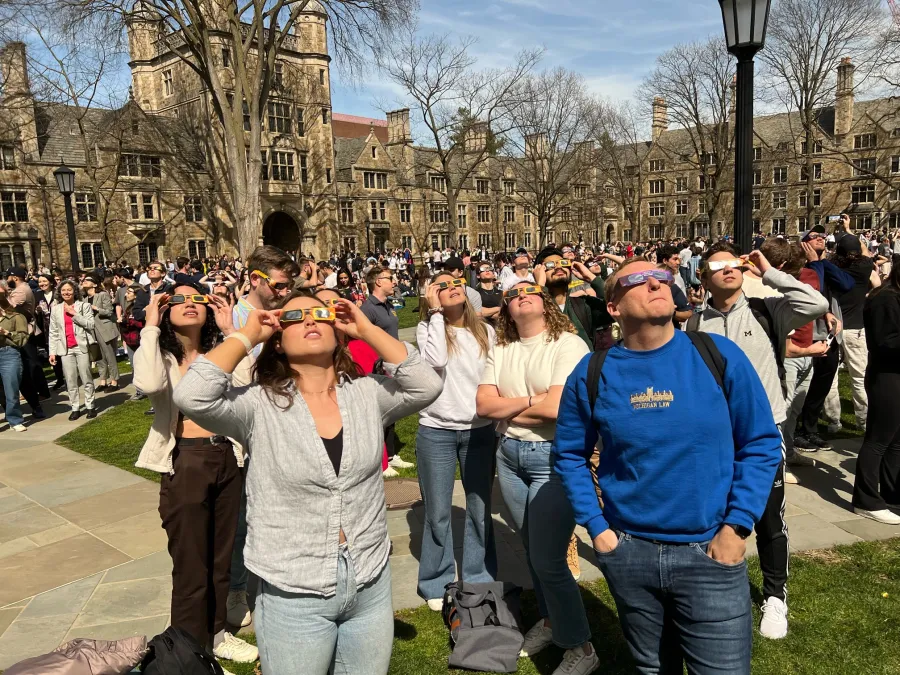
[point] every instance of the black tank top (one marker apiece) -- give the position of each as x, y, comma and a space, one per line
335, 448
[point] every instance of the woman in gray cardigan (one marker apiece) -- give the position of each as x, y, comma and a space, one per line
105, 331
71, 333
317, 529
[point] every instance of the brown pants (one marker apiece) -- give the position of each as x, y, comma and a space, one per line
199, 508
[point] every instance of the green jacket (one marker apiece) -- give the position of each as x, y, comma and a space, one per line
17, 326
589, 310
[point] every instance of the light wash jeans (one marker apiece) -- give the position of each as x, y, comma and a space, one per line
11, 376
130, 352
349, 633
544, 518
856, 359
798, 374
437, 451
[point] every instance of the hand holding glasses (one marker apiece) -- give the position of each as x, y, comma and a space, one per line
180, 299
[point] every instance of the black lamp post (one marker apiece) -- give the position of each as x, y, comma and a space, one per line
745, 34
65, 181
368, 244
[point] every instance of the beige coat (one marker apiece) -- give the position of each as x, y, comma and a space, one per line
157, 374
83, 321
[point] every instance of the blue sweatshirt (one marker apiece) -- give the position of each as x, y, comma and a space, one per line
678, 459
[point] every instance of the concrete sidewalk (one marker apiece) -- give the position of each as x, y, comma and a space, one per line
82, 552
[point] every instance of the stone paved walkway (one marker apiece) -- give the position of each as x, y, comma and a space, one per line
82, 553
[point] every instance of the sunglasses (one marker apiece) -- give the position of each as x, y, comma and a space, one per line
482, 270
155, 269
638, 278
444, 285
525, 290
293, 316
719, 265
558, 263
274, 285
181, 299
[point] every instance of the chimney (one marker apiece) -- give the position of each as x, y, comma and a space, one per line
398, 127
536, 146
13, 71
16, 96
843, 108
732, 102
660, 117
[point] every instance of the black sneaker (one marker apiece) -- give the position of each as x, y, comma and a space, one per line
74, 415
802, 443
91, 413
817, 441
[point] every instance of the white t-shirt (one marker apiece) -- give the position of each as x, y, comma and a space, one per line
509, 278
531, 366
331, 280
685, 255
460, 371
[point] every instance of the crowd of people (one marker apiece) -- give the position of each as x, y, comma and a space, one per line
660, 395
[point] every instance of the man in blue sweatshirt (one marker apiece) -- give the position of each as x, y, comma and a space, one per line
677, 508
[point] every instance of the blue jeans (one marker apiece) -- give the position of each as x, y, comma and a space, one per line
349, 633
543, 516
437, 451
676, 602
130, 352
11, 374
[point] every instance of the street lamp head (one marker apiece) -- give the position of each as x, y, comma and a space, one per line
65, 180
745, 24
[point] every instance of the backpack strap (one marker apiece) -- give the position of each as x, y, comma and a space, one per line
595, 366
710, 354
693, 324
764, 317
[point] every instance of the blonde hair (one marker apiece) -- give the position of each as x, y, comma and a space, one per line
555, 322
471, 322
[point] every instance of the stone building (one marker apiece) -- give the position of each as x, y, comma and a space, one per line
144, 188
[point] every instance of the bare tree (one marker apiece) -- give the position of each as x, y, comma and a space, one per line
463, 112
695, 81
805, 43
552, 135
621, 154
198, 31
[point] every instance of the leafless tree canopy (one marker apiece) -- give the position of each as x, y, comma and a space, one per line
695, 80
552, 134
453, 103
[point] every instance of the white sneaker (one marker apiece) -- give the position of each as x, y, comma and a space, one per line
399, 463
835, 427
538, 638
435, 604
882, 516
238, 609
790, 478
19, 427
798, 459
390, 473
576, 662
232, 648
774, 624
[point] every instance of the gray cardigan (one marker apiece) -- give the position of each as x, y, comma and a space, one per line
296, 506
83, 322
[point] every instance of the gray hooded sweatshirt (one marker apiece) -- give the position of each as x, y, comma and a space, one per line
799, 304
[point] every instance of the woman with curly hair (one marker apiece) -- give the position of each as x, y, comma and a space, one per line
71, 334
200, 488
537, 349
455, 342
317, 529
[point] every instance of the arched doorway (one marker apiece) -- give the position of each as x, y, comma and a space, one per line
610, 232
283, 231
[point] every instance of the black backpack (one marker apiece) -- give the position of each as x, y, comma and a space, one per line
761, 313
176, 652
703, 343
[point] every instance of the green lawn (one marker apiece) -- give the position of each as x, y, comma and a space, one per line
409, 315
843, 619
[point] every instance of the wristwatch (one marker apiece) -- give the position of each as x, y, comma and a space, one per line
740, 530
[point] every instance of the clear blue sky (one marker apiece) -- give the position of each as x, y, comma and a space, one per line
612, 43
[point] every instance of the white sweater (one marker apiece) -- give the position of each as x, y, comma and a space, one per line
461, 374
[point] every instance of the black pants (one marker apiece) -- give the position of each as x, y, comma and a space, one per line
772, 540
824, 371
879, 456
199, 507
34, 384
391, 441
